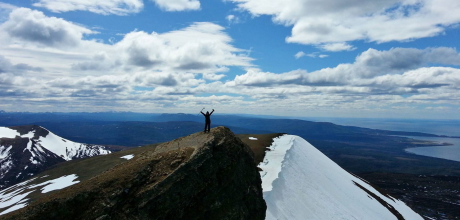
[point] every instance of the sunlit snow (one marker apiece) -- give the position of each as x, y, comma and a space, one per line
128, 157
31, 134
253, 138
15, 197
14, 208
15, 194
59, 146
60, 183
271, 166
68, 149
299, 182
8, 132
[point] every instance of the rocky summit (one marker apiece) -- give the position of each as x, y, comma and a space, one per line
201, 176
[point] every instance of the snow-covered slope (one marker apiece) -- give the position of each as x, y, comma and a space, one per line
66, 149
27, 150
15, 197
299, 182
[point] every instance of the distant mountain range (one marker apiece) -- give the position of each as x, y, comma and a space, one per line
134, 129
28, 150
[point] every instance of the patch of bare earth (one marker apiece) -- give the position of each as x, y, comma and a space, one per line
259, 146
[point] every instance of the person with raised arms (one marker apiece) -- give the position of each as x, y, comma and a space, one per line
207, 125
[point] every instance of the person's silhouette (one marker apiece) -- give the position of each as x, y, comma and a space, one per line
208, 120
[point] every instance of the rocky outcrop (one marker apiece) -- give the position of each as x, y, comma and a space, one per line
201, 176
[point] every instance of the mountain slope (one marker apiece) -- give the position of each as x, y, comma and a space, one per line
201, 176
27, 150
300, 182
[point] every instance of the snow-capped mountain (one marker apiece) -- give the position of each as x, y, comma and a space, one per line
27, 150
299, 182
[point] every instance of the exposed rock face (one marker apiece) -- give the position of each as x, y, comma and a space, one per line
201, 176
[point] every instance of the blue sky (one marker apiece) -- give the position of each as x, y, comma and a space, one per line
333, 58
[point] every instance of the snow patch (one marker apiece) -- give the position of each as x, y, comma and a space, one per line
300, 182
15, 194
272, 163
60, 183
15, 197
5, 166
8, 132
29, 135
253, 138
128, 157
4, 152
14, 208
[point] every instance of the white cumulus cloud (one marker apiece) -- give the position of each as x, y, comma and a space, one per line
338, 21
203, 48
399, 70
334, 47
149, 70
312, 55
117, 7
178, 5
31, 26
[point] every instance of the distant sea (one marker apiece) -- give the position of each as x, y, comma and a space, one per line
439, 127
451, 152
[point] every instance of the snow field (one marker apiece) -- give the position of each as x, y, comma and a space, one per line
59, 146
273, 161
308, 185
8, 132
14, 197
68, 149
59, 183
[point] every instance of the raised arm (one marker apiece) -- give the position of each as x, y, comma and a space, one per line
202, 113
211, 112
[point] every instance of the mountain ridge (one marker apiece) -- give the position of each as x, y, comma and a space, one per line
28, 150
204, 175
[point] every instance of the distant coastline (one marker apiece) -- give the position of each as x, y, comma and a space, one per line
437, 147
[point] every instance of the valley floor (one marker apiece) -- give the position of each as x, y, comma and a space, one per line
437, 197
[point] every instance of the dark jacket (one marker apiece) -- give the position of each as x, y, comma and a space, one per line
208, 115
